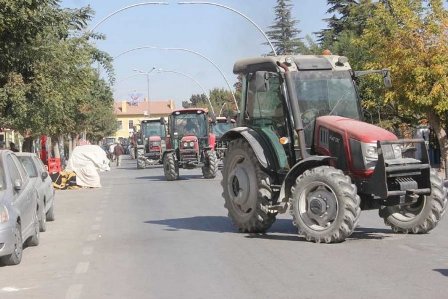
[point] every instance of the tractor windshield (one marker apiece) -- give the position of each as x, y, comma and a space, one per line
324, 92
153, 129
191, 124
222, 127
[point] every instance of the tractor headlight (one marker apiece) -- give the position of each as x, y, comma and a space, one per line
4, 215
191, 144
397, 150
370, 154
185, 144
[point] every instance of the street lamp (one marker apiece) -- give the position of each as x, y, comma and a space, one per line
189, 51
194, 80
238, 12
147, 82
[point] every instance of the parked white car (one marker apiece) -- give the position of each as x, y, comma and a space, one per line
18, 209
42, 182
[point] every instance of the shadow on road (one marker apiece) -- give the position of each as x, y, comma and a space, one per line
282, 229
219, 224
159, 178
444, 272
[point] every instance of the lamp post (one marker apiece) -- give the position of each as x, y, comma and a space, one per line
122, 9
194, 80
147, 82
238, 12
189, 51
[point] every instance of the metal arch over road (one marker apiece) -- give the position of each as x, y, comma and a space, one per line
238, 12
194, 80
189, 51
125, 8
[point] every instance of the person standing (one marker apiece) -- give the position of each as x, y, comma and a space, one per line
12, 146
118, 152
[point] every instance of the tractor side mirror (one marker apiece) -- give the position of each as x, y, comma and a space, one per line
162, 121
213, 118
261, 81
386, 78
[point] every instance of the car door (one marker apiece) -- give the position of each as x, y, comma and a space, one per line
22, 197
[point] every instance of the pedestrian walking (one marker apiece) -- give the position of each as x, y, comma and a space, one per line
118, 152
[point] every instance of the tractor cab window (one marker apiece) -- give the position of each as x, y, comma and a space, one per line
153, 129
264, 108
324, 92
191, 124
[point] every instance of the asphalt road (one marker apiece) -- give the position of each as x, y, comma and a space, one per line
140, 236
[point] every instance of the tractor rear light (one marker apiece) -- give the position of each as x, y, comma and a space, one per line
4, 215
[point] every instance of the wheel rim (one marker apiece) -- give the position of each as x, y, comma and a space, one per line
318, 206
408, 213
238, 185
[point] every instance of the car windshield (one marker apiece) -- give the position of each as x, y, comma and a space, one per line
28, 164
153, 129
220, 128
327, 93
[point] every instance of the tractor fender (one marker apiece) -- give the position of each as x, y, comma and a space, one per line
258, 145
297, 170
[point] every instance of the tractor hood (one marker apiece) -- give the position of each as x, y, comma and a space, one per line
355, 129
154, 138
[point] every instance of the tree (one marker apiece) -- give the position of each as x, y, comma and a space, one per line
410, 37
284, 34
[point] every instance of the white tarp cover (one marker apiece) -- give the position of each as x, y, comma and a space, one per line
85, 161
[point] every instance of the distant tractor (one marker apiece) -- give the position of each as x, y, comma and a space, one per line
189, 144
150, 142
301, 144
219, 128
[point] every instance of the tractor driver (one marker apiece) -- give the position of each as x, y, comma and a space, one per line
191, 128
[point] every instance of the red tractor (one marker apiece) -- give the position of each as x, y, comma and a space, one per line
149, 142
301, 144
189, 144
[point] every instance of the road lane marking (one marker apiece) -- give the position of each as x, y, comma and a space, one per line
87, 250
82, 267
96, 227
74, 291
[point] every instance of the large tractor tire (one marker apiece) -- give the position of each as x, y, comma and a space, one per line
325, 205
246, 189
211, 165
421, 217
170, 167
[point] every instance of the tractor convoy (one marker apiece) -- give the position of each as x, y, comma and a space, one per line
300, 144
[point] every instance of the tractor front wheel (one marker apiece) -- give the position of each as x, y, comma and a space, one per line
211, 165
246, 189
170, 167
325, 205
422, 216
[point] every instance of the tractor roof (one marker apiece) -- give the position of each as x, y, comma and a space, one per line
150, 120
294, 63
189, 111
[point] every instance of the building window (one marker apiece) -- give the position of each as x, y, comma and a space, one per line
131, 124
119, 124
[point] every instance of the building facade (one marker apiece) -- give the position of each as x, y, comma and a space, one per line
130, 114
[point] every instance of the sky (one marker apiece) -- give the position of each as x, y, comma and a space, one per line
219, 34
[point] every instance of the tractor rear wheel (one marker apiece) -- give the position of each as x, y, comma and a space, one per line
211, 165
170, 167
325, 205
246, 189
421, 217
140, 164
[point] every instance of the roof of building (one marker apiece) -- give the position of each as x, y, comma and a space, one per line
139, 108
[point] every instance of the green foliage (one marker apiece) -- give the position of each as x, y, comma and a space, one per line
284, 34
46, 73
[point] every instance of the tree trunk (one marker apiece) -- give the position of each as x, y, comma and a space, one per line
436, 125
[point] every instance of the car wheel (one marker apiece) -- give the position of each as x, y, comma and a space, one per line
16, 256
42, 219
34, 239
50, 213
